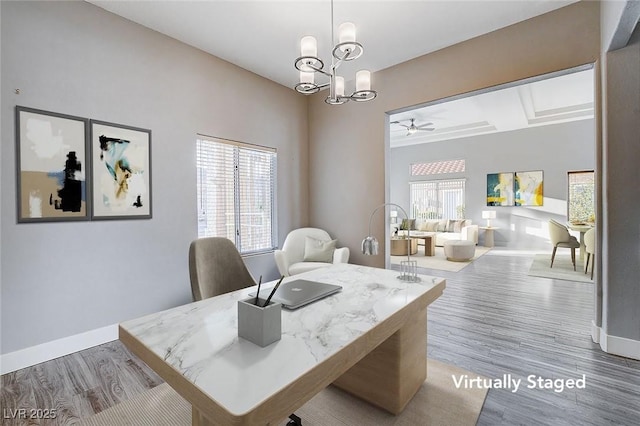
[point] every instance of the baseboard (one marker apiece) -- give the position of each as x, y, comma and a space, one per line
33, 355
615, 345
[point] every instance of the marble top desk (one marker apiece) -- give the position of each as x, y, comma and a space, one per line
369, 339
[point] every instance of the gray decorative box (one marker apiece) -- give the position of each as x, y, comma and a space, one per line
259, 325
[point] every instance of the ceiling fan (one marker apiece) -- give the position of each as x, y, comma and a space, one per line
412, 128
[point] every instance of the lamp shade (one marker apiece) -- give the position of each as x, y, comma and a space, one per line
309, 46
347, 32
363, 80
393, 213
489, 214
339, 86
307, 77
370, 246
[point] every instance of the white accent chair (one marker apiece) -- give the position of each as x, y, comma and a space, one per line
290, 260
560, 237
590, 249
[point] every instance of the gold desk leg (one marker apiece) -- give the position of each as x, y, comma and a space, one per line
393, 372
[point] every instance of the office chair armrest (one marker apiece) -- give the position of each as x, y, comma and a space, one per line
341, 255
282, 262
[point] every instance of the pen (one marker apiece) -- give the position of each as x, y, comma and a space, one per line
258, 292
273, 292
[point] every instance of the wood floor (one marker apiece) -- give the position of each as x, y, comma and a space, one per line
492, 320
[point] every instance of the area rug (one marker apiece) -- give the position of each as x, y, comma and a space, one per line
438, 402
562, 268
439, 261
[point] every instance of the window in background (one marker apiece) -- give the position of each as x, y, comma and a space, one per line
236, 193
437, 199
581, 196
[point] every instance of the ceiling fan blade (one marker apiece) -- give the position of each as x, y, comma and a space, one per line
426, 130
394, 122
424, 125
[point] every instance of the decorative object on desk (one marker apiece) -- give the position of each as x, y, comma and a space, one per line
51, 161
500, 189
346, 50
489, 214
121, 172
528, 188
275, 288
370, 248
260, 324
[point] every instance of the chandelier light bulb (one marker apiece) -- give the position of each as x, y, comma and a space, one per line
309, 46
307, 77
347, 32
363, 80
339, 86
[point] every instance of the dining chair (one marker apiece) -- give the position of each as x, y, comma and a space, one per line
590, 249
560, 237
216, 267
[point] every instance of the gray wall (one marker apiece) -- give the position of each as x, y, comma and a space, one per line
75, 58
554, 149
621, 175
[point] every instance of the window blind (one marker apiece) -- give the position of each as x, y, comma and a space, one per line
236, 193
437, 199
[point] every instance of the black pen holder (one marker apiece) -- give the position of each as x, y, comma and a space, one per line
258, 324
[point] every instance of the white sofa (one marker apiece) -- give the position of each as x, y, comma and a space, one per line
444, 230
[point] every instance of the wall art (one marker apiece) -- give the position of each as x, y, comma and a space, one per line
121, 171
500, 189
51, 163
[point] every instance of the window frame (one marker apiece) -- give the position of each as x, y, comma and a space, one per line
437, 182
239, 148
593, 209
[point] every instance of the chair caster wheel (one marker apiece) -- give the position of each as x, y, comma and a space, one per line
294, 420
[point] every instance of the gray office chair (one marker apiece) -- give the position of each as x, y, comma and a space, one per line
216, 267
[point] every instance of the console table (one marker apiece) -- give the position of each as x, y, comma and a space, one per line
370, 339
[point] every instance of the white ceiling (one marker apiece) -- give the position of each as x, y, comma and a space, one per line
554, 100
264, 36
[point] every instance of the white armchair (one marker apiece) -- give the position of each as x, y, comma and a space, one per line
306, 249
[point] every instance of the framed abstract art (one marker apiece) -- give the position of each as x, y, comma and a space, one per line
500, 189
528, 188
51, 166
121, 171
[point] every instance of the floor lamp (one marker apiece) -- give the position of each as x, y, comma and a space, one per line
370, 248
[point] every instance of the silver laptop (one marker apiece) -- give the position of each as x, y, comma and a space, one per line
297, 293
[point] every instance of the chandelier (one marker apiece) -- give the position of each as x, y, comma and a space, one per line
346, 50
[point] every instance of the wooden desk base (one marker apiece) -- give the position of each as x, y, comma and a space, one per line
393, 372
